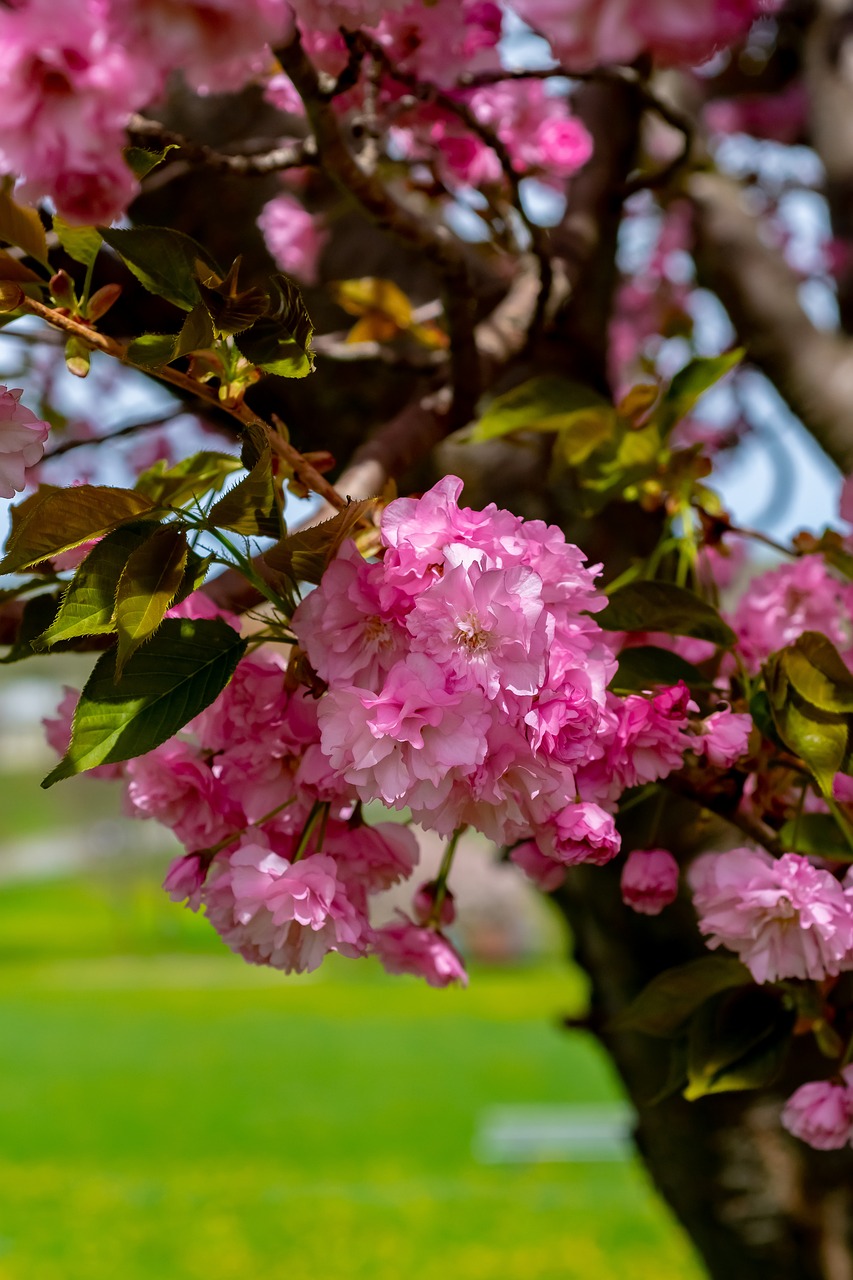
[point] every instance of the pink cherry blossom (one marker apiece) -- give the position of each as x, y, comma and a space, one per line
649, 880
287, 915
545, 872
779, 605
404, 947
821, 1113
582, 832
175, 785
184, 879
293, 236
783, 917
22, 437
724, 738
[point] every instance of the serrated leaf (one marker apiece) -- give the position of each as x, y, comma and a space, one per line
816, 834
188, 479
165, 684
163, 261
148, 585
88, 604
22, 227
668, 1001
83, 244
251, 506
194, 575
280, 342
647, 666
816, 670
305, 556
141, 161
690, 384
738, 1040
151, 350
230, 309
662, 606
548, 403
65, 518
38, 613
817, 737
196, 333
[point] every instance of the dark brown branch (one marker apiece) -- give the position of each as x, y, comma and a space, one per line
430, 238
294, 155
811, 368
424, 91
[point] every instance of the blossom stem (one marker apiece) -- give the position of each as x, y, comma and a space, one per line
441, 878
318, 808
842, 820
234, 835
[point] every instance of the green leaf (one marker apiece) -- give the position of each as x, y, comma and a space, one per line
814, 667
88, 604
690, 384
232, 310
165, 684
141, 161
817, 834
152, 350
22, 226
65, 518
305, 556
251, 506
83, 244
817, 737
163, 261
662, 606
280, 342
188, 479
196, 333
647, 666
194, 575
38, 614
148, 585
738, 1040
667, 1002
547, 403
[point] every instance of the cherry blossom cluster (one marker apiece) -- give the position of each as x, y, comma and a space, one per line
73, 71
466, 681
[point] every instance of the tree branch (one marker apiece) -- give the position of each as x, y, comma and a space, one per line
811, 368
142, 132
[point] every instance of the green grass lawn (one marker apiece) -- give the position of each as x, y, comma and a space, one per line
169, 1112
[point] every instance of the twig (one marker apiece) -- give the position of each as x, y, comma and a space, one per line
294, 155
299, 465
131, 429
431, 238
425, 91
743, 821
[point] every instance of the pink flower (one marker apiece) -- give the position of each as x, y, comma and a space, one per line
22, 437
176, 786
821, 1113
783, 917
649, 880
293, 236
581, 832
724, 738
564, 144
184, 880
542, 870
288, 915
782, 603
404, 947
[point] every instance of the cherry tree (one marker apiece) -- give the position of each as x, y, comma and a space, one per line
495, 286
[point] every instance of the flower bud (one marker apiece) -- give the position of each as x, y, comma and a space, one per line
649, 880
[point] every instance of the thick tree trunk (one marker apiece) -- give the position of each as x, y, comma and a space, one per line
758, 1204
